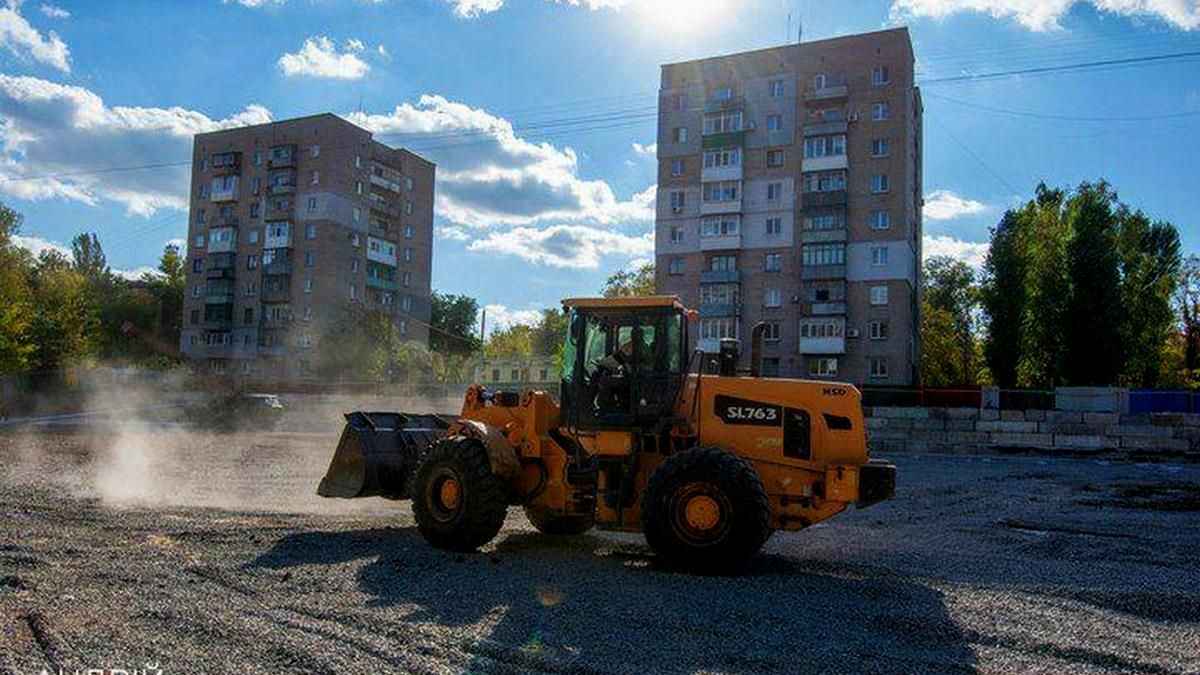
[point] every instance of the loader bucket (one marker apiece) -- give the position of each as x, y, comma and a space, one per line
378, 452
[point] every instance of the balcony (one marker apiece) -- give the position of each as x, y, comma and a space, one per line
219, 315
825, 128
275, 323
226, 192
222, 240
276, 239
227, 164
823, 346
814, 272
386, 209
721, 243
274, 212
823, 236
276, 289
389, 185
834, 87
282, 188
715, 173
221, 265
820, 200
282, 156
717, 310
724, 140
720, 277
382, 284
218, 296
724, 206
278, 267
825, 309
829, 163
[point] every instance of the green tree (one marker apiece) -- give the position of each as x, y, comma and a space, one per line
1150, 262
1092, 322
1044, 345
949, 287
453, 320
88, 256
64, 325
940, 359
1004, 299
168, 288
516, 341
17, 350
627, 283
1187, 303
365, 345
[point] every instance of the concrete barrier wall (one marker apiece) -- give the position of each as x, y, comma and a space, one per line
971, 431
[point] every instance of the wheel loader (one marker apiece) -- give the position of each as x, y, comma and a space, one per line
645, 437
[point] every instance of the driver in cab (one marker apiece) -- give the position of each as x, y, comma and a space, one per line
613, 374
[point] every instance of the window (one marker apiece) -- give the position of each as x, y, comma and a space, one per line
314, 150
194, 318
358, 161
721, 191
254, 209
408, 183
354, 264
408, 208
719, 294
723, 123
770, 366
408, 231
679, 102
357, 214
314, 177
774, 192
310, 231
199, 241
258, 157
879, 368
676, 234
677, 200
716, 329
310, 258
358, 187
774, 122
720, 226
309, 285
680, 134
719, 157
352, 292
877, 330
823, 254
823, 367
675, 266
826, 219
722, 93
774, 227
880, 75
723, 263
772, 297
251, 262
248, 289
676, 168
773, 262
355, 240
825, 146
822, 329
406, 279
879, 296
774, 158
305, 340
408, 254
204, 164
880, 111
255, 185
195, 290
775, 87
312, 204
198, 265
771, 331
880, 147
879, 256
825, 181
879, 183
248, 316
881, 220
200, 216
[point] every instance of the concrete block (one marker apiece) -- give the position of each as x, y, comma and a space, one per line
898, 423
928, 436
903, 413
1101, 418
1139, 418
960, 425
1144, 431
1007, 427
1090, 442
967, 437
887, 435
1020, 440
962, 413
930, 424
1012, 415
1035, 415
988, 415
876, 423
1063, 416
1167, 419
1144, 443
1072, 428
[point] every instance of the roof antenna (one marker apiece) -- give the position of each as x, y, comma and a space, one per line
788, 34
800, 32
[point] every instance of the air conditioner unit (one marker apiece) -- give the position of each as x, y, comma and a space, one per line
852, 332
852, 117
676, 209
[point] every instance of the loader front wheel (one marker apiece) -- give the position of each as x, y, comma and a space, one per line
459, 504
553, 523
705, 511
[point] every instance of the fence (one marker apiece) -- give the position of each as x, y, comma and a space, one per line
1076, 399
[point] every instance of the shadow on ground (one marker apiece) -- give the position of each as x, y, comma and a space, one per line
592, 604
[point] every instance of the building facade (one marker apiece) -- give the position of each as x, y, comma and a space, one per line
294, 225
790, 193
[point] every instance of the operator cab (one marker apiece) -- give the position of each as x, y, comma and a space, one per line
623, 361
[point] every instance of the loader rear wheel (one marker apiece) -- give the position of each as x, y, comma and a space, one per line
553, 523
706, 511
459, 504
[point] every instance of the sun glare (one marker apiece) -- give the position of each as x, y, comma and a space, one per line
682, 16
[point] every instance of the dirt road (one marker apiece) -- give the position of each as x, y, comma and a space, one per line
210, 554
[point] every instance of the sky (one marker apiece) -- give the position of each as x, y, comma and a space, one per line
540, 114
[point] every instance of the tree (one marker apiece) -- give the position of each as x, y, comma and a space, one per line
16, 307
1092, 325
516, 341
453, 321
1043, 346
1150, 263
365, 345
168, 288
627, 284
1187, 301
1003, 298
64, 325
88, 256
949, 289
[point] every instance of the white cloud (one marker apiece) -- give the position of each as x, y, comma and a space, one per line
54, 11
488, 175
651, 149
945, 205
569, 246
178, 243
1043, 15
453, 233
137, 273
49, 129
469, 9
383, 53
37, 245
253, 3
971, 252
22, 39
319, 57
501, 316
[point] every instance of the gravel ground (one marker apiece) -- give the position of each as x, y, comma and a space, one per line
209, 554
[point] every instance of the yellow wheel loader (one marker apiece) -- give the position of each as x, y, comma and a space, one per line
706, 464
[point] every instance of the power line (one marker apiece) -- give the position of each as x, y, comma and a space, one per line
986, 167
1073, 67
1068, 118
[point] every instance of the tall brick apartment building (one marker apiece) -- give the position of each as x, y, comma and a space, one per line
790, 193
291, 223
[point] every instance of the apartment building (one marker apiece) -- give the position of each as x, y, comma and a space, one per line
293, 224
790, 193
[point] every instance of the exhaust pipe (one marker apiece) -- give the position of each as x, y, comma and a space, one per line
756, 348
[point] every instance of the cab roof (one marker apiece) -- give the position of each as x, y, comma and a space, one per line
668, 301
